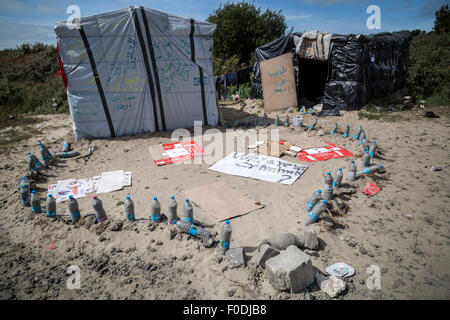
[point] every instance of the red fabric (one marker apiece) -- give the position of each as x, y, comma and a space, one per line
370, 189
61, 66
331, 151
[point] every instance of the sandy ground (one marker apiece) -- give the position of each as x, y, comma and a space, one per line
404, 229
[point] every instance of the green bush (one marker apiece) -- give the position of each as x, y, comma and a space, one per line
28, 80
429, 62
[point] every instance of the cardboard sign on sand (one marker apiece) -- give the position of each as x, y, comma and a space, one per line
277, 75
221, 200
259, 167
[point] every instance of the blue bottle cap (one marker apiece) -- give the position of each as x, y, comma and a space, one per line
227, 221
33, 191
340, 169
24, 178
128, 197
155, 198
328, 172
348, 125
29, 155
172, 197
49, 195
325, 201
187, 200
70, 196
319, 191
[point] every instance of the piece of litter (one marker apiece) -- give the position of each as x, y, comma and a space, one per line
252, 146
340, 269
51, 245
370, 189
408, 215
259, 143
295, 149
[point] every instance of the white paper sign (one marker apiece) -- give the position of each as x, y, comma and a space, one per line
260, 167
110, 181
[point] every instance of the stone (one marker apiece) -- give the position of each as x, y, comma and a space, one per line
282, 241
339, 203
266, 251
291, 270
236, 256
308, 239
117, 226
332, 286
208, 242
320, 133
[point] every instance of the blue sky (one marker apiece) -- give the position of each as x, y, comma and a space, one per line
33, 20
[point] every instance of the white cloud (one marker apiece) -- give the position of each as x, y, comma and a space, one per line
299, 16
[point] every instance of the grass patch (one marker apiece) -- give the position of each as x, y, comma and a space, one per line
19, 120
382, 116
11, 137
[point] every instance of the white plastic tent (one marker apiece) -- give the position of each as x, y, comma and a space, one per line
137, 70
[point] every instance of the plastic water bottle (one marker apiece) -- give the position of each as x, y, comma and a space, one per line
100, 213
247, 122
373, 168
277, 121
74, 210
328, 194
316, 197
265, 120
66, 146
286, 121
316, 212
192, 229
334, 129
155, 210
50, 204
46, 156
362, 135
129, 209
365, 145
33, 163
25, 191
172, 212
225, 237
373, 148
188, 212
347, 131
356, 136
338, 180
35, 202
352, 171
68, 154
313, 126
366, 160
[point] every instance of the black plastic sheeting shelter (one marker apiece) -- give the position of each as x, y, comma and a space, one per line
359, 68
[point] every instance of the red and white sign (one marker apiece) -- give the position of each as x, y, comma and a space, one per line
324, 153
179, 151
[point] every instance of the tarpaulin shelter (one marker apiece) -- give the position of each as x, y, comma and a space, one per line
359, 68
137, 70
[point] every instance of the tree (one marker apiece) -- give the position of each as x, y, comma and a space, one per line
442, 22
241, 28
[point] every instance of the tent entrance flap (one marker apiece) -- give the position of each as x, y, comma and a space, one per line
312, 76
